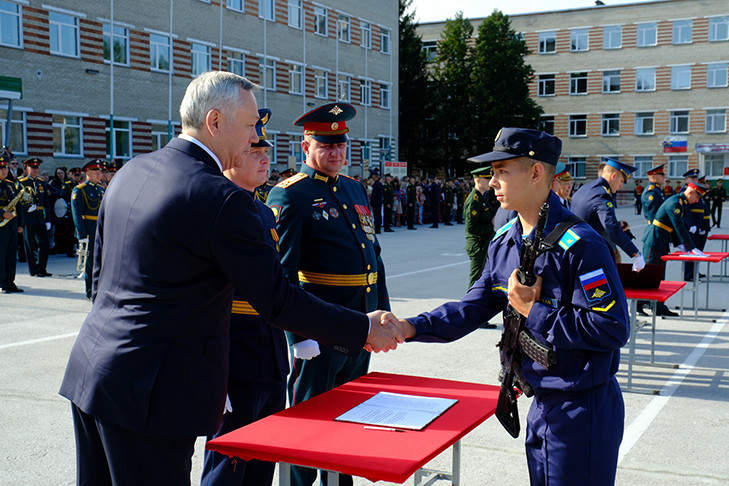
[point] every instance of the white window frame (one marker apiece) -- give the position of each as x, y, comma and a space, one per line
642, 163
344, 27
321, 84
716, 75
681, 77
641, 119
612, 37
431, 50
267, 70
682, 31
344, 87
577, 167
296, 14
60, 127
544, 83
295, 149
678, 118
579, 40
385, 39
321, 21
13, 18
714, 166
365, 92
237, 63
57, 26
155, 47
367, 35
200, 57
716, 120
610, 126
645, 79
576, 82
111, 147
236, 5
548, 42
718, 29
160, 134
607, 81
647, 35
385, 96
677, 165
18, 122
546, 124
112, 35
267, 10
296, 78
576, 123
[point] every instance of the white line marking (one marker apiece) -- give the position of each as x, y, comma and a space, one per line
427, 270
39, 340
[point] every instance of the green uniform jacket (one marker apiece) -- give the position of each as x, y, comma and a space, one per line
651, 200
479, 222
388, 195
668, 225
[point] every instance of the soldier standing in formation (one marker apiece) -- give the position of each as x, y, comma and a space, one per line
376, 199
411, 194
447, 202
85, 202
718, 196
653, 196
388, 200
37, 220
434, 201
479, 214
9, 231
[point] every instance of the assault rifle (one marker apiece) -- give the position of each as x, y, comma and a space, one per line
516, 341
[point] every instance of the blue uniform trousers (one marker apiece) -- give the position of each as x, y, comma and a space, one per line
574, 437
328, 370
116, 455
250, 402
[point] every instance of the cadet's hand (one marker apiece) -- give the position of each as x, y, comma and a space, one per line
521, 297
692, 229
306, 349
48, 226
638, 263
385, 332
682, 248
698, 252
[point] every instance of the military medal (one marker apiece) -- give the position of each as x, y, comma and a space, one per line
365, 220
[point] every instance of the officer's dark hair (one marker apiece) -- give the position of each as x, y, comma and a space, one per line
213, 90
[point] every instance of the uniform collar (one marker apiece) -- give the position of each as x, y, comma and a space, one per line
318, 176
556, 215
603, 182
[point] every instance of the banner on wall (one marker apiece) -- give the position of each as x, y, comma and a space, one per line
675, 144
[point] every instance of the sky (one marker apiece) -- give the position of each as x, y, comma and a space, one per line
435, 10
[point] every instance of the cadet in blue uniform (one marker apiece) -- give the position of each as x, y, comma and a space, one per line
328, 246
37, 220
653, 197
85, 203
258, 351
577, 305
595, 203
8, 231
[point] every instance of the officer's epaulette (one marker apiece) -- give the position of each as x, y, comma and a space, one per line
292, 180
23, 179
504, 228
348, 177
651, 187
82, 185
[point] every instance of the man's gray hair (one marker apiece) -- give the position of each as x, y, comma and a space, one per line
217, 90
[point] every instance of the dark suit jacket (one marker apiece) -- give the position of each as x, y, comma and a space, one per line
174, 238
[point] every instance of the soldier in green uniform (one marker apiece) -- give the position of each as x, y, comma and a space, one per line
653, 196
37, 220
328, 246
479, 215
85, 202
411, 194
8, 231
388, 199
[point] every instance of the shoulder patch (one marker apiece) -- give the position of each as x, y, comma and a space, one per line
568, 239
292, 180
504, 228
609, 204
276, 210
595, 285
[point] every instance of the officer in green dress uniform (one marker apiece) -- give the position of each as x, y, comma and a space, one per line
85, 202
37, 220
479, 215
328, 246
388, 199
653, 196
411, 193
8, 231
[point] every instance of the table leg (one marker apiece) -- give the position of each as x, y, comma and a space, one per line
456, 480
333, 478
284, 474
631, 355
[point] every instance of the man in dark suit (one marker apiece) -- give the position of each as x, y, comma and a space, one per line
377, 199
149, 370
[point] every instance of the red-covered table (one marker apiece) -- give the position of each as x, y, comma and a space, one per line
307, 435
665, 291
711, 257
724, 244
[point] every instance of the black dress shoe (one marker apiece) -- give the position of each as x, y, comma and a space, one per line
389, 230
412, 228
488, 325
665, 311
44, 274
13, 288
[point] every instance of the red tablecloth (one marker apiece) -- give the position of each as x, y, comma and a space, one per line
664, 291
711, 256
307, 434
718, 237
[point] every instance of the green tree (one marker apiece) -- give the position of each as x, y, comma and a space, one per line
500, 83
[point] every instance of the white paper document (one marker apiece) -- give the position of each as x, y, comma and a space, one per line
397, 410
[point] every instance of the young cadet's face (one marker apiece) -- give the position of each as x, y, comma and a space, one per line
511, 183
254, 170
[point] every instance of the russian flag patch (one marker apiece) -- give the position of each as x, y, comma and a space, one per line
595, 285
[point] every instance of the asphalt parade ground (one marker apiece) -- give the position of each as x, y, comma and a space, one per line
676, 437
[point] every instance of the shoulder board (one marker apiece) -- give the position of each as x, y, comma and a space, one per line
81, 185
606, 189
651, 187
292, 180
348, 177
23, 179
568, 239
504, 228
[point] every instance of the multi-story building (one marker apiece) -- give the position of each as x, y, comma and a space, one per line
645, 83
104, 78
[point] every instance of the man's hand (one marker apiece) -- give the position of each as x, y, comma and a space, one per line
638, 262
306, 349
8, 215
521, 297
385, 332
698, 252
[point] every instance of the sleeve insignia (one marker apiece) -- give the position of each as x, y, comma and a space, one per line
677, 210
609, 204
474, 212
650, 198
276, 212
595, 285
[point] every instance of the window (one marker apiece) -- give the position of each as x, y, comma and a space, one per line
611, 82
647, 35
716, 121
296, 14
547, 42
546, 85
645, 79
431, 50
612, 37
716, 75
385, 96
677, 165
643, 164
200, 54
67, 136
159, 53
714, 165
267, 9
682, 31
679, 122
546, 124
268, 73
320, 21
611, 125
63, 34
119, 140
385, 41
321, 78
237, 63
578, 83
644, 123
578, 125
295, 149
366, 35
296, 79
17, 131
365, 91
236, 5
718, 29
116, 39
579, 40
345, 87
160, 135
10, 24
385, 149
345, 28
576, 166
681, 77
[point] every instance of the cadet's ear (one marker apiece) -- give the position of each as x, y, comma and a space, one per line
538, 172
